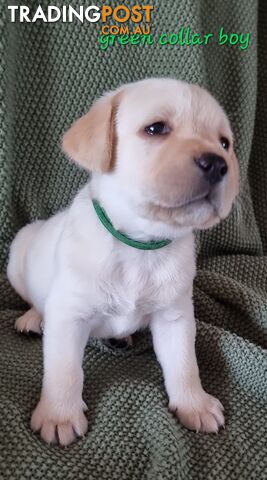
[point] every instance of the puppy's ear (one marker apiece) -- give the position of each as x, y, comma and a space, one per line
91, 139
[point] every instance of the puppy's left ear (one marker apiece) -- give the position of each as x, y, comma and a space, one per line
91, 139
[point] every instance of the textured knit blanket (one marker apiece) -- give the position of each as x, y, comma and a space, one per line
49, 75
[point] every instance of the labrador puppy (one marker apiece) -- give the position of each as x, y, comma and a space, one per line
121, 257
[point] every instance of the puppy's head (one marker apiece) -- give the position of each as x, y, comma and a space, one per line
169, 147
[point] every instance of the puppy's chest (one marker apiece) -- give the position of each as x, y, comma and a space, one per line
138, 287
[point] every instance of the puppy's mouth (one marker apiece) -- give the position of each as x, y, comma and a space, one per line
199, 211
190, 203
195, 201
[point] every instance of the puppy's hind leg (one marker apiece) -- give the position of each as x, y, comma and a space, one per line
120, 343
17, 257
29, 322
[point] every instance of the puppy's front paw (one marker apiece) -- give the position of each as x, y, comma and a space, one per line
59, 427
201, 412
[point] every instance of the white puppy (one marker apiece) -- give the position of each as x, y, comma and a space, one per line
161, 153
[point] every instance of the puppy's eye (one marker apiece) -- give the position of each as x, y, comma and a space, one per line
225, 143
158, 128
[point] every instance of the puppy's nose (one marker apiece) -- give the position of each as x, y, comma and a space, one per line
213, 166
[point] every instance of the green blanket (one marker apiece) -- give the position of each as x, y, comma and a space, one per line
49, 75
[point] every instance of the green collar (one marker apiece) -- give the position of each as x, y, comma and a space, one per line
123, 238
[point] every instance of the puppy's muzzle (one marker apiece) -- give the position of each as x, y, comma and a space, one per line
213, 167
